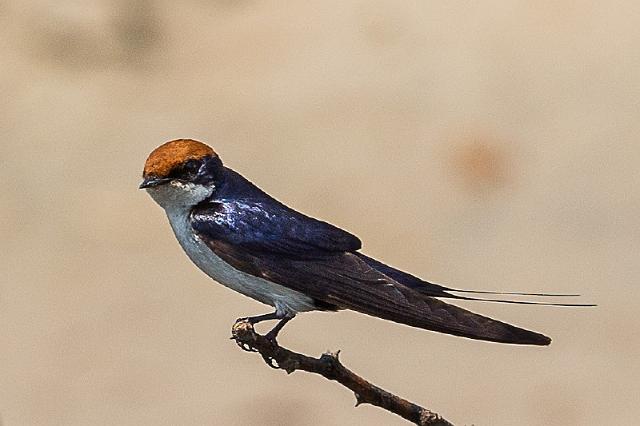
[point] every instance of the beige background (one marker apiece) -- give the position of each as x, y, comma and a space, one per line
488, 145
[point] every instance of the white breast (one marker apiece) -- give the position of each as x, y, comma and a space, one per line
283, 299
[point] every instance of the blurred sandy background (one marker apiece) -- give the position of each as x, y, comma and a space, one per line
478, 144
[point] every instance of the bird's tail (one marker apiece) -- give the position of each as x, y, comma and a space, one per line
433, 314
360, 285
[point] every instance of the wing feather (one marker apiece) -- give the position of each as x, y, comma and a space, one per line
271, 227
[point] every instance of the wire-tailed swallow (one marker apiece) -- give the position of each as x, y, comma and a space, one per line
250, 242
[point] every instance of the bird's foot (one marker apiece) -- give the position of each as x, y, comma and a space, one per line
240, 325
245, 327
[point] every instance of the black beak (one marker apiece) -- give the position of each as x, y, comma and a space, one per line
152, 181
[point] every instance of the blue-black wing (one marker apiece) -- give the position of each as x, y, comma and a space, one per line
270, 227
319, 260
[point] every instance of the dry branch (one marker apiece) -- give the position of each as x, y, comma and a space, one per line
330, 367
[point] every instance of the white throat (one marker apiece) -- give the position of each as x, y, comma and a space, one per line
177, 195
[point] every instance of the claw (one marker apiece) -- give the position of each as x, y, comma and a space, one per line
248, 322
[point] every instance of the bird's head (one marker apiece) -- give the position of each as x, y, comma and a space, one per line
181, 173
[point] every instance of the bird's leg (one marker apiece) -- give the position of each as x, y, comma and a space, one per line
259, 318
271, 336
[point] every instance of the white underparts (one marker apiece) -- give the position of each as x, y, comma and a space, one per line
177, 200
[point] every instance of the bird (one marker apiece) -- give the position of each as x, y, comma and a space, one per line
252, 243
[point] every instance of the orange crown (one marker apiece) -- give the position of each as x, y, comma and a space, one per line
167, 156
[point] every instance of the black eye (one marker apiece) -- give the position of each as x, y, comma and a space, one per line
191, 167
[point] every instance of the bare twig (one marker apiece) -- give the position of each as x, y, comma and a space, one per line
330, 367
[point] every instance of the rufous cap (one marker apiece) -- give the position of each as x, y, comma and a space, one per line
169, 155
